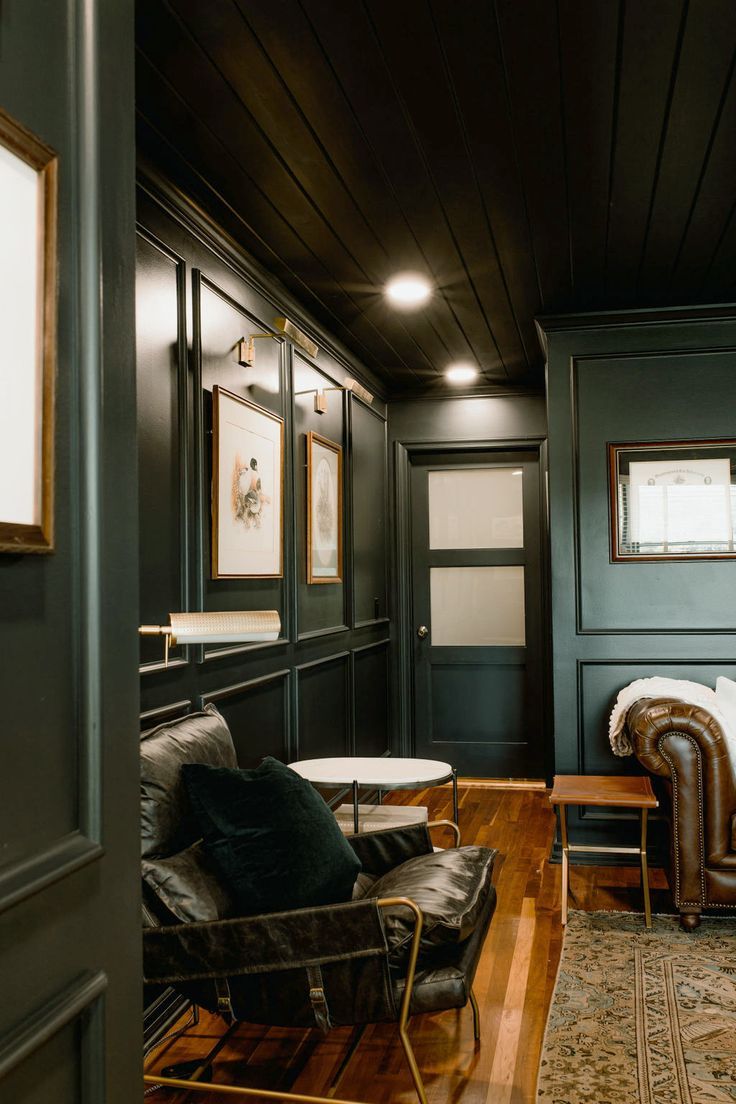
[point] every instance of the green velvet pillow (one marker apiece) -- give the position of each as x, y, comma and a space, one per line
272, 837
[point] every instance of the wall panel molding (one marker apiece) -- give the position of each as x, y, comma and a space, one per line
578, 363
183, 437
247, 680
153, 717
238, 688
55, 858
83, 997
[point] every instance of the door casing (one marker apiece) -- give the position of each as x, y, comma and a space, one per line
404, 452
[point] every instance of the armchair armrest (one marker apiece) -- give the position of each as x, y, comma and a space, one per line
684, 744
380, 852
263, 944
650, 719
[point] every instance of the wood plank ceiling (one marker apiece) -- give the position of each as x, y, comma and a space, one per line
528, 156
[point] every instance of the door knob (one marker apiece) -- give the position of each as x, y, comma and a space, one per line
422, 632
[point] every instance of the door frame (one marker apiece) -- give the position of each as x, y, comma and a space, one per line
404, 452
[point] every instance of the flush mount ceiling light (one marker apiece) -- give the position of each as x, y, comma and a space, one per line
408, 290
461, 373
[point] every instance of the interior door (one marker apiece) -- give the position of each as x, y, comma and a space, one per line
70, 960
476, 601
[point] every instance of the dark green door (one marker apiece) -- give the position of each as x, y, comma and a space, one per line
477, 624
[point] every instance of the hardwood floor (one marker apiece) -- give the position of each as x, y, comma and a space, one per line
513, 985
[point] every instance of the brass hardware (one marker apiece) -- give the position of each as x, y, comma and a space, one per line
422, 632
476, 1016
645, 870
199, 627
236, 1090
287, 327
358, 389
246, 347
320, 394
389, 902
446, 824
601, 849
301, 1098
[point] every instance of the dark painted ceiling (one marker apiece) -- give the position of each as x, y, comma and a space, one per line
530, 156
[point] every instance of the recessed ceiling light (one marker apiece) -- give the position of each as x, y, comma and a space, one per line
461, 373
408, 290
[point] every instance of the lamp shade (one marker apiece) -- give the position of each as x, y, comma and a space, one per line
224, 628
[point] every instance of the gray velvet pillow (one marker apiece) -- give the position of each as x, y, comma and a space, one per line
189, 886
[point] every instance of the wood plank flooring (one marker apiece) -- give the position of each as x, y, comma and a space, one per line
513, 985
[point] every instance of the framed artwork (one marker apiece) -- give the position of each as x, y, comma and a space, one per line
28, 212
247, 489
673, 500
324, 510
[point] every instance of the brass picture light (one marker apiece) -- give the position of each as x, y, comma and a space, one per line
216, 628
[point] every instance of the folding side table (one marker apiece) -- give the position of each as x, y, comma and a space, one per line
620, 792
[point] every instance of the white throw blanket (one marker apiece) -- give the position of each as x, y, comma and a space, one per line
681, 689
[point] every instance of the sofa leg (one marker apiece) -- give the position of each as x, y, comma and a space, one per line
689, 921
476, 1016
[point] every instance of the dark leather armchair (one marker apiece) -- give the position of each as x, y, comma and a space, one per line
368, 960
683, 745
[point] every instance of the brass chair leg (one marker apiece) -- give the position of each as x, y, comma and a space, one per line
405, 1012
645, 870
476, 1016
412, 1062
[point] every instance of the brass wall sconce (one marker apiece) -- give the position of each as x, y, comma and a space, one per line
216, 628
320, 394
246, 346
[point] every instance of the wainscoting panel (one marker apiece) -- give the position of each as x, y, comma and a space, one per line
370, 531
371, 698
219, 323
321, 605
57, 1052
324, 716
163, 469
257, 713
645, 597
164, 713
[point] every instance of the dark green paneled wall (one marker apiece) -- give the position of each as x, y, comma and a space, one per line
653, 377
70, 948
323, 688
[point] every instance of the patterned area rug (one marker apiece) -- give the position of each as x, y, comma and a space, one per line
642, 1017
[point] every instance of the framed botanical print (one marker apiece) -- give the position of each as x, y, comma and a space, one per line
673, 500
28, 212
324, 510
247, 489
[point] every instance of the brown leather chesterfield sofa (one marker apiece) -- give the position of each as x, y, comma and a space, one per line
683, 746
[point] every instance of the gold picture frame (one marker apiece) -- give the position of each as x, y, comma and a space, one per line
324, 510
247, 489
28, 228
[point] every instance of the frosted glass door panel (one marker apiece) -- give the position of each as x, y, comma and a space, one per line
478, 606
476, 508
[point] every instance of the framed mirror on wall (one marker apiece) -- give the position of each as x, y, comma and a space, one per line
673, 500
28, 174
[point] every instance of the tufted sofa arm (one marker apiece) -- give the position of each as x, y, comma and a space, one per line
683, 744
